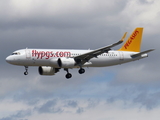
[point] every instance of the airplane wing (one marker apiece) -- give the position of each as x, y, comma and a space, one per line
141, 53
81, 59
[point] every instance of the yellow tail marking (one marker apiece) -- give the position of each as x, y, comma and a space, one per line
134, 41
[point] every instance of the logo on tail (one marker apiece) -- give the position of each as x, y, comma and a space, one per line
134, 41
127, 44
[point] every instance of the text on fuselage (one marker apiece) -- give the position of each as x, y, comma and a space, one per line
49, 54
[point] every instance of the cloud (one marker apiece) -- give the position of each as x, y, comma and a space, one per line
20, 114
80, 110
49, 107
149, 100
103, 110
72, 104
142, 13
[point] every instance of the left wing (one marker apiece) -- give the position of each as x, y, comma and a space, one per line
81, 59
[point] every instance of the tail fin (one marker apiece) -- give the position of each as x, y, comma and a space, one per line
134, 41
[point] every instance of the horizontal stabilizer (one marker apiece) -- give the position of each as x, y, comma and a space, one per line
141, 53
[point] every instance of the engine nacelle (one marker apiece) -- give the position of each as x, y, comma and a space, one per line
54, 62
66, 62
47, 70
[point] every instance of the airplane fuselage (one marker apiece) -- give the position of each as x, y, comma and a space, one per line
44, 57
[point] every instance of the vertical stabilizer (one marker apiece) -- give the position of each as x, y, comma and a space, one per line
134, 41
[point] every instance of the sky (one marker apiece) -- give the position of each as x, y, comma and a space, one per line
127, 91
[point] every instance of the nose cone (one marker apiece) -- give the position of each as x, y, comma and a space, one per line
9, 59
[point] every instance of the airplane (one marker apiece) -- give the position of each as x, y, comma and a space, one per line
50, 61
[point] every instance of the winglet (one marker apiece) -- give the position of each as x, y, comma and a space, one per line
124, 36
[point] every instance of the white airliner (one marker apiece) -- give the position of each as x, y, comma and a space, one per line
50, 61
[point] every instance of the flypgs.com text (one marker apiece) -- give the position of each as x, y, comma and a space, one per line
49, 54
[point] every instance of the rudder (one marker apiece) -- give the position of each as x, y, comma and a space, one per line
134, 41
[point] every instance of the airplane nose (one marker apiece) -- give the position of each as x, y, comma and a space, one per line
9, 59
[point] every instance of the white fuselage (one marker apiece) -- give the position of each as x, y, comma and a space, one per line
46, 57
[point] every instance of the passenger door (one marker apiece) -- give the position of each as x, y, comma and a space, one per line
28, 54
121, 56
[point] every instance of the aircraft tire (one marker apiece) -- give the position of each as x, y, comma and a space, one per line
81, 71
25, 73
68, 75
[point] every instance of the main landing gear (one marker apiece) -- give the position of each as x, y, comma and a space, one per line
81, 71
69, 75
26, 72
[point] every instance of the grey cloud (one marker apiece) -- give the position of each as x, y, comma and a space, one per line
148, 100
80, 110
73, 19
92, 103
135, 95
73, 104
40, 29
111, 99
20, 115
56, 23
146, 1
49, 107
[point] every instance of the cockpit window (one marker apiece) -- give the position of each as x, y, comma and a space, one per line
16, 53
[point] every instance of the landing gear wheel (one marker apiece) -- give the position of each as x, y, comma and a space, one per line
68, 75
81, 71
25, 73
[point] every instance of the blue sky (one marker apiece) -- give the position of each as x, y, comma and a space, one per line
127, 91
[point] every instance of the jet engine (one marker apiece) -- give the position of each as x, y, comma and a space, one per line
54, 62
66, 62
47, 70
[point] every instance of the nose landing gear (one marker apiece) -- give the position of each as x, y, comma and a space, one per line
26, 72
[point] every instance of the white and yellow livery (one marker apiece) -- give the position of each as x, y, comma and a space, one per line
50, 61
